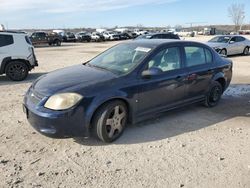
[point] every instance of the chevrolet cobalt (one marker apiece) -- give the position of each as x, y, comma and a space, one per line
128, 83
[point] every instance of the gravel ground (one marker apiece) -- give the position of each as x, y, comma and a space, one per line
189, 147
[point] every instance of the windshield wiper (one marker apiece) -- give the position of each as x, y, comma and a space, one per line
103, 68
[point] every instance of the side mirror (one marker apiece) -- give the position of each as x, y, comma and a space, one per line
231, 42
153, 71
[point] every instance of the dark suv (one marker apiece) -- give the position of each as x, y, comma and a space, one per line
46, 38
130, 82
159, 36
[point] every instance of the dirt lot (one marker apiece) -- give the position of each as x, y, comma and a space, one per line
189, 147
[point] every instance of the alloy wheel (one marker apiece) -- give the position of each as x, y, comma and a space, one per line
17, 71
115, 121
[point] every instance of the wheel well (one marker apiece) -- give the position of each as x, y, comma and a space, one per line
224, 49
22, 60
115, 99
222, 82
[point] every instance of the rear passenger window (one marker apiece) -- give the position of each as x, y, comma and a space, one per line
156, 37
209, 57
6, 40
196, 56
240, 39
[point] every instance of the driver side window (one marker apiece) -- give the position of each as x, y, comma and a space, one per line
166, 60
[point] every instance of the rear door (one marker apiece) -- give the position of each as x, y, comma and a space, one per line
241, 44
200, 67
233, 46
166, 89
6, 42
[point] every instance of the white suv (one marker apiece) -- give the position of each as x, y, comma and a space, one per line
17, 55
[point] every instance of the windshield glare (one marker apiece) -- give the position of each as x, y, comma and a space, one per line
120, 59
221, 39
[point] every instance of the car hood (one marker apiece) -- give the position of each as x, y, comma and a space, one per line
215, 44
71, 79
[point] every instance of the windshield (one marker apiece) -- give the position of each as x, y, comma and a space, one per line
221, 39
120, 59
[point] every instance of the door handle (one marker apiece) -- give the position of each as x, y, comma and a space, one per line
191, 77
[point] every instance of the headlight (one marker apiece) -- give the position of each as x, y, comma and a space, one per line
217, 49
62, 101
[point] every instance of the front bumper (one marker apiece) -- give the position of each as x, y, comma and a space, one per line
55, 124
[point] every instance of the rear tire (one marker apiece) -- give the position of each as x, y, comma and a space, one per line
17, 70
246, 51
214, 95
109, 121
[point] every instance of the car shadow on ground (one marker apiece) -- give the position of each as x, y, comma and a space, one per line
180, 121
4, 80
54, 46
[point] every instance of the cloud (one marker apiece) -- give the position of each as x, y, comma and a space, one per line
66, 6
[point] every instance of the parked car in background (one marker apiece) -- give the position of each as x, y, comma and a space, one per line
159, 36
115, 36
102, 38
59, 32
139, 32
69, 37
106, 35
46, 38
83, 37
95, 37
230, 44
124, 36
110, 35
17, 55
144, 79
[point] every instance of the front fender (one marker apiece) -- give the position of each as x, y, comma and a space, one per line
103, 98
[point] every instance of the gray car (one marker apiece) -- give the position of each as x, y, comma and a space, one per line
230, 44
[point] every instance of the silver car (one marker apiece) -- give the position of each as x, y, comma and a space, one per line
230, 44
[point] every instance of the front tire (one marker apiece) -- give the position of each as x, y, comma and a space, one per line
214, 95
17, 70
223, 52
109, 121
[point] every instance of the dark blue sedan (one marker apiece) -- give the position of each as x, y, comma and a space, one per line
130, 82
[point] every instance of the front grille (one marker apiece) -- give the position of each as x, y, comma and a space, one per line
35, 97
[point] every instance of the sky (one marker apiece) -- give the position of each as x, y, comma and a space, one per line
49, 14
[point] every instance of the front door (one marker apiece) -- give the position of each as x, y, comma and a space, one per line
158, 92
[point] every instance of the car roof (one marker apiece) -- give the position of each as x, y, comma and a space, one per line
158, 42
229, 36
165, 33
13, 32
